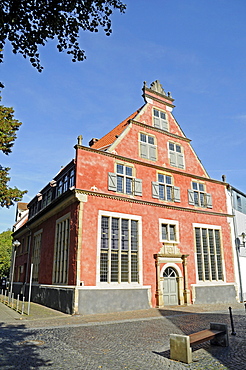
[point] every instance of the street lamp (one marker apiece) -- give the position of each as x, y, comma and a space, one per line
15, 245
240, 242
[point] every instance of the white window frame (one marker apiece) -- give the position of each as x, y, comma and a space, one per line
61, 250
205, 281
158, 121
136, 184
125, 177
147, 150
200, 193
156, 186
176, 159
175, 223
110, 284
206, 196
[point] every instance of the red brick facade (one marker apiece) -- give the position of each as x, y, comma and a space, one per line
146, 175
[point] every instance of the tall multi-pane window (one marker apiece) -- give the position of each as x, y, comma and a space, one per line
36, 254
160, 119
147, 147
176, 155
208, 254
119, 250
60, 269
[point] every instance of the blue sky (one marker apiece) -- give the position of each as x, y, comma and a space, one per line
197, 49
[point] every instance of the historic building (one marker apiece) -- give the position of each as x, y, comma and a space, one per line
134, 221
237, 207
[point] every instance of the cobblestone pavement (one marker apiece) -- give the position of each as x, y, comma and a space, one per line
136, 340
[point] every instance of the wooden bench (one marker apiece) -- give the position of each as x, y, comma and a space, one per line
180, 345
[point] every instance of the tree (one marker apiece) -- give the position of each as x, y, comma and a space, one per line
5, 252
8, 128
26, 24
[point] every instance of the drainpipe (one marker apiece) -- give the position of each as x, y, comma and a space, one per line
237, 248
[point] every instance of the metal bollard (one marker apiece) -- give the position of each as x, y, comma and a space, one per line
17, 303
23, 306
12, 301
232, 325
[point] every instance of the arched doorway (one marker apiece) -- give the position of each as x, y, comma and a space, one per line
170, 287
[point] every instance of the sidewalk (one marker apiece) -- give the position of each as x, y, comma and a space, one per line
41, 316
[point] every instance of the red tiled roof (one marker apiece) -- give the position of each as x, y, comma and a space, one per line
110, 137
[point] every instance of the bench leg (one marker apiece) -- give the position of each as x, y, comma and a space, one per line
180, 348
222, 339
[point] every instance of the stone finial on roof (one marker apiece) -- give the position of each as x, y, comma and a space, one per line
157, 87
80, 139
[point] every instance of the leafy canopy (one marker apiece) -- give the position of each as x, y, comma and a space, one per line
30, 23
5, 252
8, 128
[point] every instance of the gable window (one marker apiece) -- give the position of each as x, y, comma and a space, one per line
119, 249
123, 181
198, 196
208, 254
60, 268
160, 119
147, 147
164, 189
176, 155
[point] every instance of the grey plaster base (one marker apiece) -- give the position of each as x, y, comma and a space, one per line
60, 299
215, 294
112, 300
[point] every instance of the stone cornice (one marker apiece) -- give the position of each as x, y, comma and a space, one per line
167, 133
151, 165
150, 92
153, 204
159, 100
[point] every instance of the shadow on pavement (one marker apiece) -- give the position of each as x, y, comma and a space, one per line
18, 350
232, 357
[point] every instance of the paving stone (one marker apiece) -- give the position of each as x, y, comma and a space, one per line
137, 340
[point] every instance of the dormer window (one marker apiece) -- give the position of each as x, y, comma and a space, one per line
160, 119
